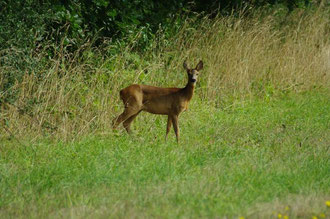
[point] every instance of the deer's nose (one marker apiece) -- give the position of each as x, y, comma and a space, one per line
193, 80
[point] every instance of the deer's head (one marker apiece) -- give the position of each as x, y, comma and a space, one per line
193, 72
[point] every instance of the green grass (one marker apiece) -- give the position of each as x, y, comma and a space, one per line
255, 158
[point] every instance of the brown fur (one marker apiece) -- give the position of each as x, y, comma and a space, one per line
157, 100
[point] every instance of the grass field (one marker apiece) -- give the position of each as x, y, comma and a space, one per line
254, 143
255, 158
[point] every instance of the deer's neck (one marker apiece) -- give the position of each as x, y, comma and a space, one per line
188, 90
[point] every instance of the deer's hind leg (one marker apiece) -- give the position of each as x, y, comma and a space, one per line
127, 123
132, 108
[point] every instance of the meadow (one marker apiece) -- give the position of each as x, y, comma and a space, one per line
256, 159
254, 142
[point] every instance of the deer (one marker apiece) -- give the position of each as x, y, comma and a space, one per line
158, 100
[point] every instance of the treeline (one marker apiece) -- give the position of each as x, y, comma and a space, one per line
27, 23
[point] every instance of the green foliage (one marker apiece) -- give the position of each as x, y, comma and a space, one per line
28, 27
67, 94
77, 19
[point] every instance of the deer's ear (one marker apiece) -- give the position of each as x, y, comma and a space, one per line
185, 66
199, 66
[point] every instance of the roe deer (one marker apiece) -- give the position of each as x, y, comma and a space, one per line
157, 100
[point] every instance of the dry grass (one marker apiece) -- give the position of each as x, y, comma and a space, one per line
74, 95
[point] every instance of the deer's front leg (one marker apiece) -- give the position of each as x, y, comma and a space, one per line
169, 125
176, 127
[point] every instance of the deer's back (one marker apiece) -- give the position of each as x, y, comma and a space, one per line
152, 99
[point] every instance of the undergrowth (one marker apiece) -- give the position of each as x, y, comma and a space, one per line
64, 95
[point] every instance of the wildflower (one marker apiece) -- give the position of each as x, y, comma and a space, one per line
286, 217
279, 216
322, 215
241, 217
327, 203
287, 208
314, 217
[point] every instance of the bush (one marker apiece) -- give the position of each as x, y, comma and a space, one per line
68, 94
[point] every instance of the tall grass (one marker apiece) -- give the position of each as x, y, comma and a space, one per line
71, 95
